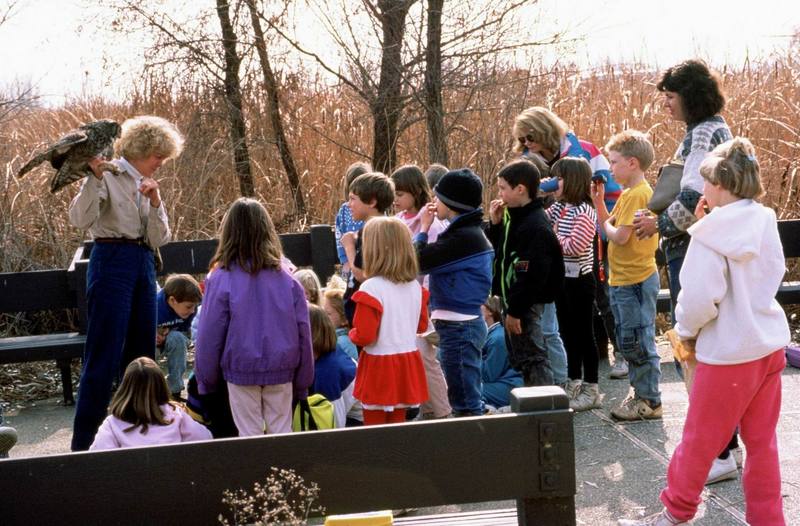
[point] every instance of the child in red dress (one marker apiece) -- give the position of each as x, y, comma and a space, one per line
391, 308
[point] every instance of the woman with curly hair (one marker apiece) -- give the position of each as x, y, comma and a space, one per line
127, 221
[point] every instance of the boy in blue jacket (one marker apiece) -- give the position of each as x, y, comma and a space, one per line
460, 267
176, 304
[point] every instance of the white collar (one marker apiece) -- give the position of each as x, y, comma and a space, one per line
128, 167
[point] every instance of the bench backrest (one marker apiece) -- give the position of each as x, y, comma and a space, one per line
528, 456
36, 290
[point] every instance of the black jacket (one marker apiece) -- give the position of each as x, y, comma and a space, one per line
528, 264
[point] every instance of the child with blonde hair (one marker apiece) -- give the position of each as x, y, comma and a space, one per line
333, 304
391, 309
727, 311
254, 331
311, 285
142, 413
412, 195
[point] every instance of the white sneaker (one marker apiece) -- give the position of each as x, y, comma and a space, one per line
588, 397
619, 371
737, 454
572, 388
662, 518
722, 469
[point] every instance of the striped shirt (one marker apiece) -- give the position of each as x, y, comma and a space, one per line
575, 227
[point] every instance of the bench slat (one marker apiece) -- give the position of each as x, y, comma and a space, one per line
501, 517
35, 290
42, 347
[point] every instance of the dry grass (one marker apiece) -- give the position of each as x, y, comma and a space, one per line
327, 128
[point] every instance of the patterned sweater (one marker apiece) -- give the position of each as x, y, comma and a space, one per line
700, 139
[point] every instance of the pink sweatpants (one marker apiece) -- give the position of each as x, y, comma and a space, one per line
437, 402
722, 397
253, 406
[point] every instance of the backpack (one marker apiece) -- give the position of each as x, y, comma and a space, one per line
313, 413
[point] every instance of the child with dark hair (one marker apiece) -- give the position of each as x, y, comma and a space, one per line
528, 267
498, 377
176, 303
459, 264
142, 415
344, 219
434, 173
412, 195
574, 221
371, 195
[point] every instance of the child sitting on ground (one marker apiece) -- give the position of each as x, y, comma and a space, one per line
142, 414
311, 285
633, 282
254, 331
499, 378
333, 304
727, 311
345, 222
334, 371
176, 304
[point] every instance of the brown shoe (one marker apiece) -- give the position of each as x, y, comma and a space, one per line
633, 408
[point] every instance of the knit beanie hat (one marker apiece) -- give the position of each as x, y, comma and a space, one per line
460, 190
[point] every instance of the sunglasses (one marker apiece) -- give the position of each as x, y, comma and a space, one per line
528, 138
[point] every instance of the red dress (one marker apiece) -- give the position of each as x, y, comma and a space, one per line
387, 319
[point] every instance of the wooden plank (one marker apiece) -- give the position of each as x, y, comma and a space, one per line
323, 251
502, 517
41, 347
35, 290
382, 465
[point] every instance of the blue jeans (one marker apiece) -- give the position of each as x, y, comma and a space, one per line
121, 309
175, 346
526, 352
460, 344
634, 308
553, 344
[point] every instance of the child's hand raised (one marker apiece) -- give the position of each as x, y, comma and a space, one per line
701, 209
348, 239
426, 217
598, 192
496, 209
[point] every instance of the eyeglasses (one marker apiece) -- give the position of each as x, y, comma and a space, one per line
528, 138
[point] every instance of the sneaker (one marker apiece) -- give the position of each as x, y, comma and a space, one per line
8, 437
662, 518
619, 371
722, 469
588, 397
571, 387
633, 408
737, 454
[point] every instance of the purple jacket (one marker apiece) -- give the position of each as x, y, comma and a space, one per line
254, 330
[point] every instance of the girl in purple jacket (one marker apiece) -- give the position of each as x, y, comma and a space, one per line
254, 331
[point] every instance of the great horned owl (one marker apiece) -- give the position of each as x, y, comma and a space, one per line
71, 154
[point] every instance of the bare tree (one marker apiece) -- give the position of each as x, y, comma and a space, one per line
20, 95
271, 87
233, 98
434, 107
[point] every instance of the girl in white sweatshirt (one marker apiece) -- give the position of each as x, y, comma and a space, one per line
727, 311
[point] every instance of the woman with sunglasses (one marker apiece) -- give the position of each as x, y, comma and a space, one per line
539, 131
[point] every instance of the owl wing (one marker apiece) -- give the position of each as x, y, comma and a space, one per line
55, 153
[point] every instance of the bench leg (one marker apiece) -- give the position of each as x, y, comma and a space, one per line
65, 364
557, 511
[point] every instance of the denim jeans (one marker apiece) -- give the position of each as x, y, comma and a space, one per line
175, 346
121, 309
634, 308
553, 344
526, 352
460, 344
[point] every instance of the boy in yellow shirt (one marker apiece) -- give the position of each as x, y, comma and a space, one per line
633, 281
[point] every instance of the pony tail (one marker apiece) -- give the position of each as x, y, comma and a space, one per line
336, 283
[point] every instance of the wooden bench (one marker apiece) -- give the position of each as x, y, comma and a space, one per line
789, 292
46, 290
527, 456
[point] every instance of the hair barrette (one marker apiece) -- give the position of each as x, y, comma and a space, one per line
751, 158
